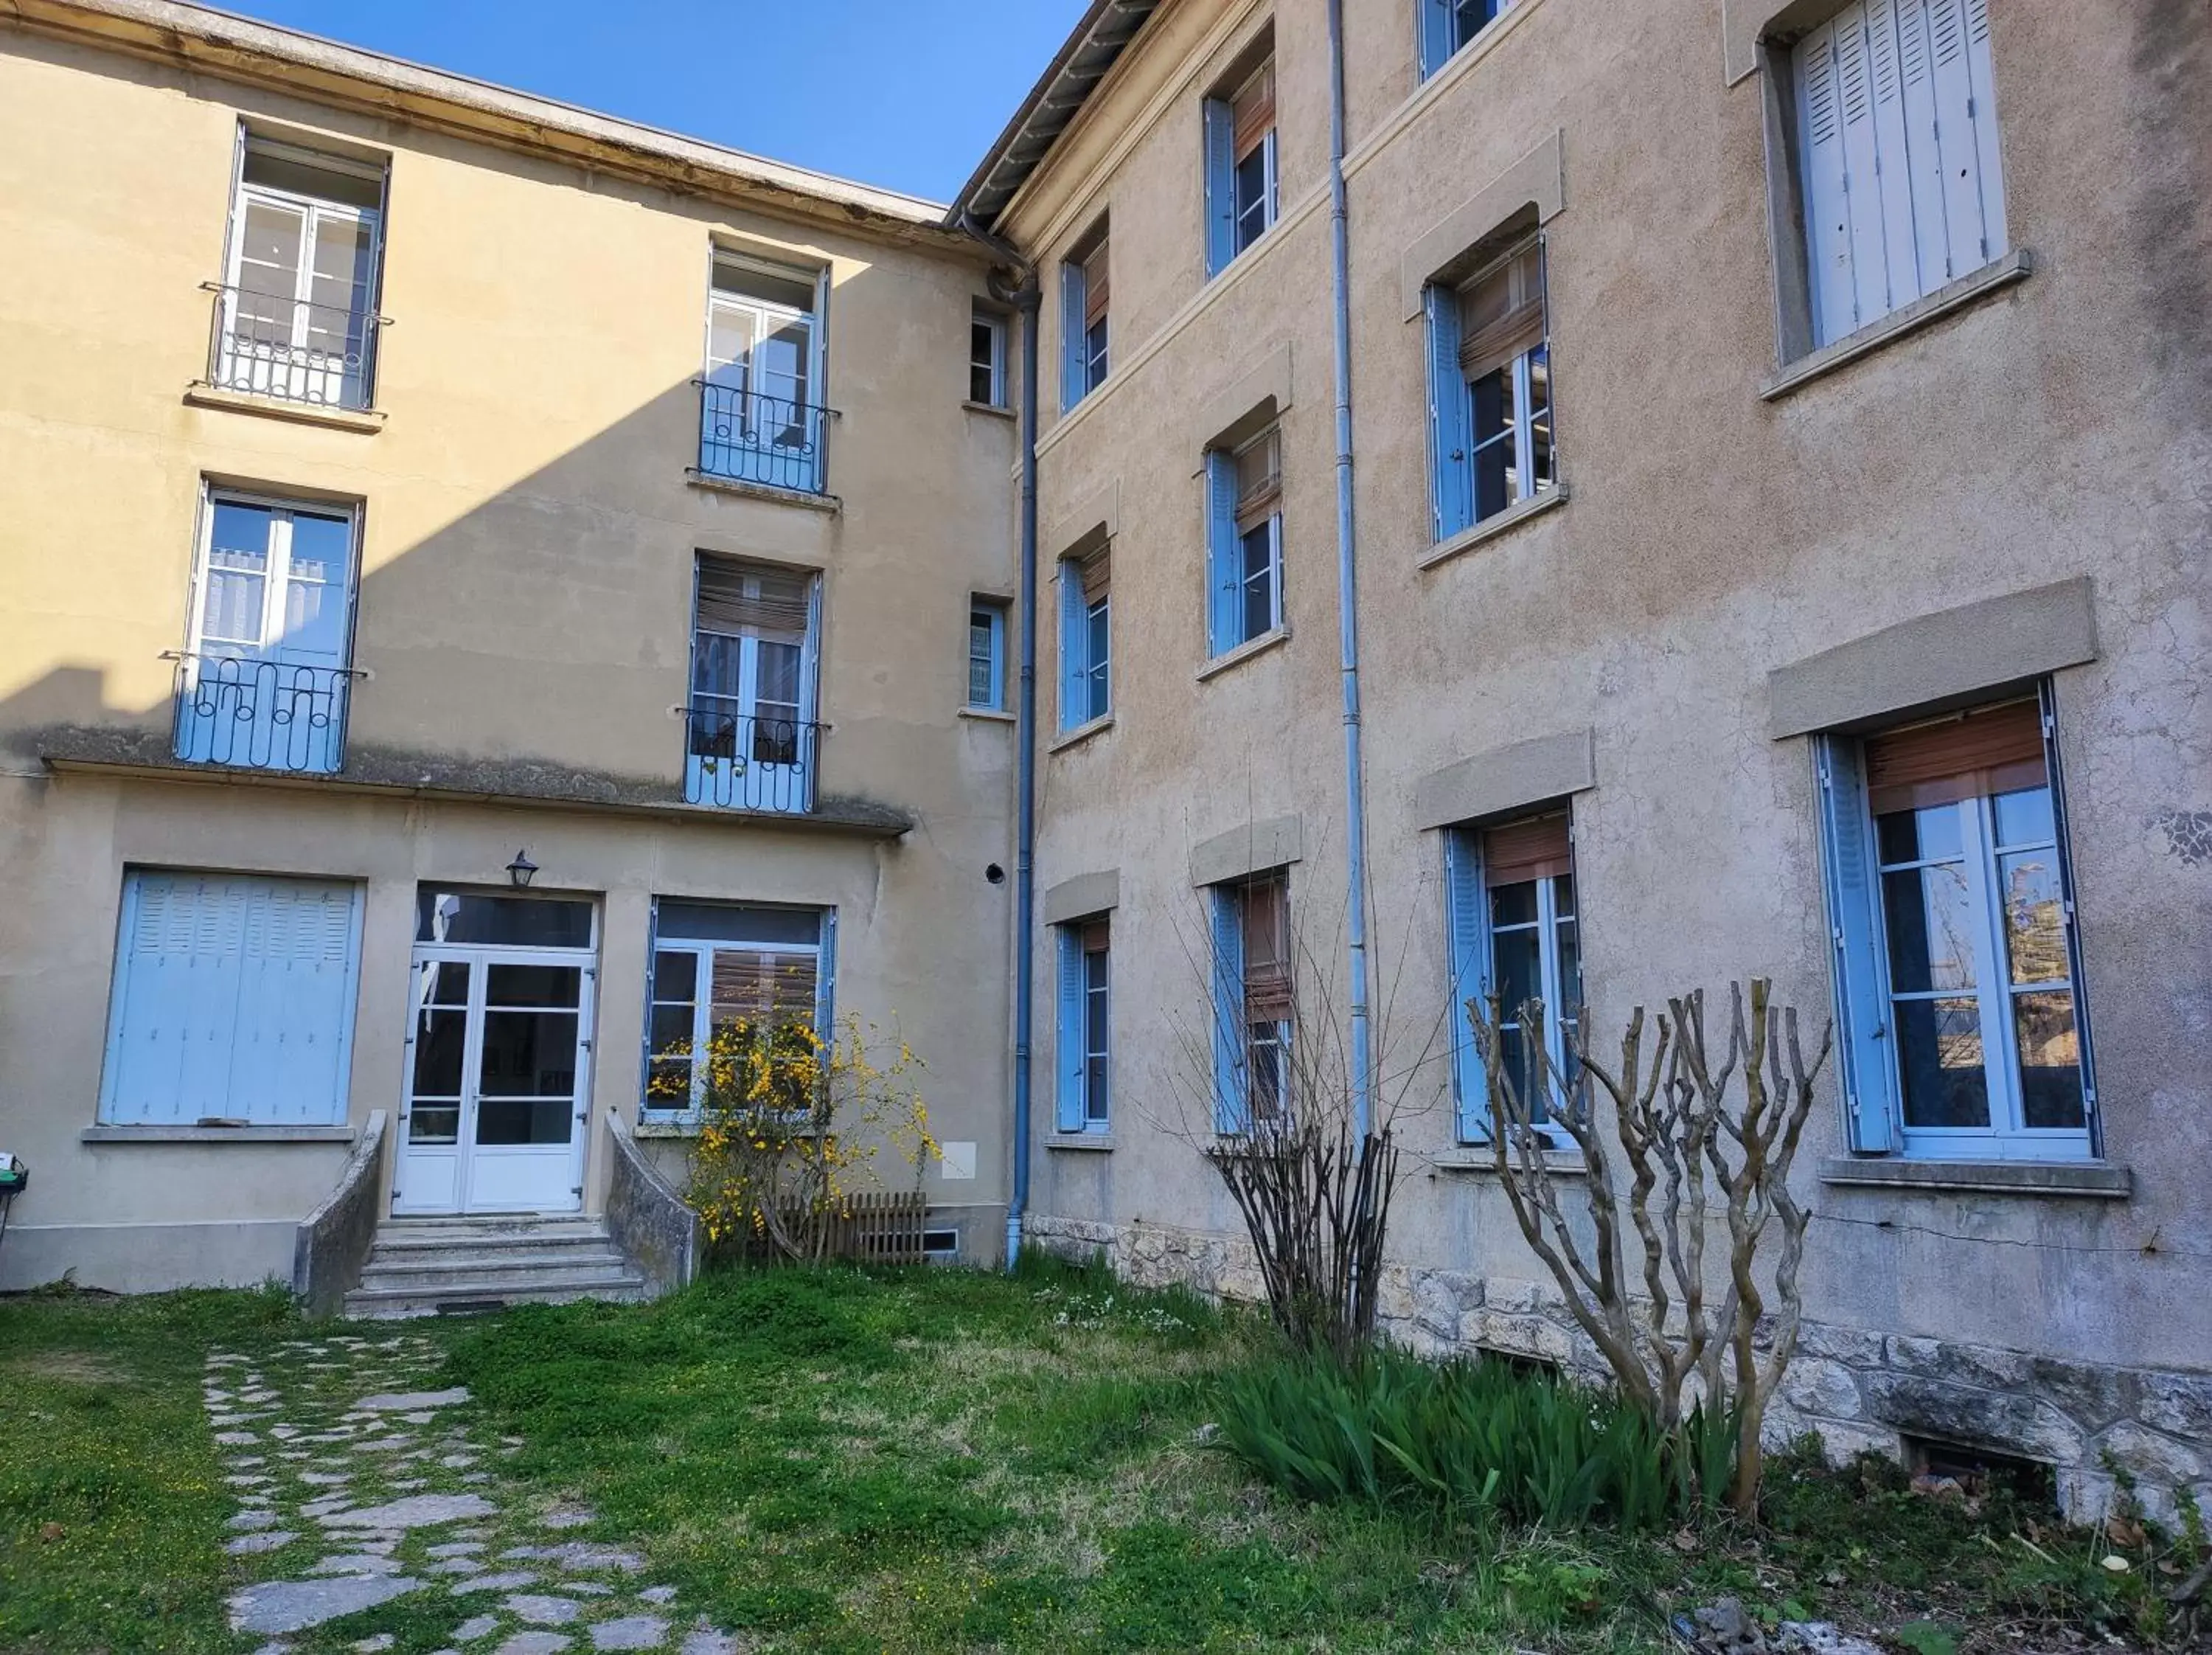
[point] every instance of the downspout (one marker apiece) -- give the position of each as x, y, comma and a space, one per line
1025, 297
1355, 780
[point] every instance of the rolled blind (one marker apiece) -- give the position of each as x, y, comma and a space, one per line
757, 985
1990, 749
1502, 313
1093, 572
1253, 110
1538, 849
1259, 481
751, 600
1266, 952
1095, 294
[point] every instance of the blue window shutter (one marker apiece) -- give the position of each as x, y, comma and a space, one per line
1467, 932
1232, 1111
1074, 372
1224, 589
1074, 648
1220, 185
1068, 1091
825, 979
1436, 35
1868, 1076
1451, 470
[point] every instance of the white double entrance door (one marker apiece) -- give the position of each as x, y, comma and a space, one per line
498, 1063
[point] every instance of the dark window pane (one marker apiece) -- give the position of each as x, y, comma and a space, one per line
507, 921
1513, 904
519, 1120
439, 1037
2049, 1060
1516, 977
1563, 894
675, 976
1919, 835
1939, 1050
433, 1123
1930, 915
1469, 16
672, 1028
532, 985
1251, 196
2034, 919
668, 1084
529, 1055
450, 985
1095, 1107
1571, 967
728, 922
2025, 817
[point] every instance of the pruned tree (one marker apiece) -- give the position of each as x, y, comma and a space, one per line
1682, 1168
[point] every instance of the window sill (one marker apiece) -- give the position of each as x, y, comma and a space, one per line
805, 497
366, 421
675, 1127
1490, 527
216, 1135
1244, 652
989, 714
2102, 1180
1081, 733
1478, 1159
2015, 266
995, 410
1097, 1143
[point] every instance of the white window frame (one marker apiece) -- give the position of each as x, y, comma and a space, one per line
1227, 570
1437, 35
994, 611
1081, 618
1472, 961
1084, 364
702, 950
995, 323
765, 317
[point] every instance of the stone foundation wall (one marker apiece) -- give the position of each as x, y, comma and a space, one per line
2098, 1428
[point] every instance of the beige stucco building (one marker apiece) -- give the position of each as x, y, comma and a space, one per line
1778, 445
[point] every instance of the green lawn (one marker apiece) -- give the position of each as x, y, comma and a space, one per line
941, 1460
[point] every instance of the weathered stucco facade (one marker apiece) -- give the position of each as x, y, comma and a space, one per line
1962, 507
524, 605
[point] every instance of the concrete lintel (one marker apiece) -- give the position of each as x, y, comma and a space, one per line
1524, 774
1245, 407
1080, 898
1744, 23
1537, 179
1930, 659
1096, 519
1255, 847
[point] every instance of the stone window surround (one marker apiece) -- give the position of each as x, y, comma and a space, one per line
1247, 851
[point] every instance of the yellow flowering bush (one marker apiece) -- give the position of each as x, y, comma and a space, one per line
791, 1125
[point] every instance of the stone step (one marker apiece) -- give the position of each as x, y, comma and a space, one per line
435, 1270
464, 1293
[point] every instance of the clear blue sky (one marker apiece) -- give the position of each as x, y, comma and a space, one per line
905, 93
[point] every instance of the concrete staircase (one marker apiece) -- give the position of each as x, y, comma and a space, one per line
429, 1267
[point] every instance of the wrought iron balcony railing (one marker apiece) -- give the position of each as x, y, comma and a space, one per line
749, 436
291, 350
260, 714
745, 761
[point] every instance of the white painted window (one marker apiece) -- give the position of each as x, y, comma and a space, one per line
1085, 1027
266, 676
762, 418
1513, 933
1245, 534
987, 655
1241, 182
1086, 297
1087, 683
298, 313
986, 358
1897, 128
1963, 1032
232, 1000
1490, 416
1448, 25
717, 965
750, 729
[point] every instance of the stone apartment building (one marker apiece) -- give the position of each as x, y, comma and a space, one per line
1778, 464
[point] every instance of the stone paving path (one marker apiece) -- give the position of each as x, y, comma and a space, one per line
359, 1485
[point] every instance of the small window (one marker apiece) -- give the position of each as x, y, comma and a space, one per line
1509, 900
1491, 391
717, 966
987, 655
1957, 957
1448, 25
1240, 188
1253, 1004
1245, 541
1085, 640
1085, 1027
1896, 131
986, 358
1085, 292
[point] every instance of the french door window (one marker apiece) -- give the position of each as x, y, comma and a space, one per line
297, 317
761, 414
264, 677
751, 730
1510, 897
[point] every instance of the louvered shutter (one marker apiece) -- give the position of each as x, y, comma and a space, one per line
1922, 166
1068, 1066
1436, 35
1827, 207
1220, 185
825, 979
1973, 196
1891, 182
1074, 647
1451, 473
1232, 1111
1862, 1043
1869, 263
1467, 938
1073, 374
1224, 587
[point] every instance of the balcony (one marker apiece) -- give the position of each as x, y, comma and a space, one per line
749, 436
737, 760
291, 349
259, 714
